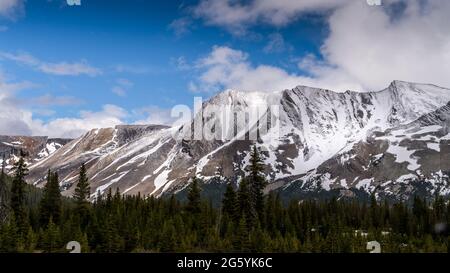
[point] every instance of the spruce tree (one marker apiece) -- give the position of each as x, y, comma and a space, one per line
246, 207
4, 209
81, 196
10, 238
51, 241
242, 238
50, 205
257, 182
168, 240
229, 204
18, 194
82, 190
194, 200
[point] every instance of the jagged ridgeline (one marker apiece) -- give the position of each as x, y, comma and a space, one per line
394, 143
32, 148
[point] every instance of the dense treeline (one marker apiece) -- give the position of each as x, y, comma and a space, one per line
248, 220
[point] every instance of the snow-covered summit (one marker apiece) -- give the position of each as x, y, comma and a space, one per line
314, 126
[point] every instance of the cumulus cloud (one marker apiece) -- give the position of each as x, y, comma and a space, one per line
367, 47
109, 116
69, 69
180, 63
276, 44
181, 26
372, 46
20, 121
17, 118
133, 69
122, 86
236, 16
59, 69
227, 68
154, 115
50, 100
11, 9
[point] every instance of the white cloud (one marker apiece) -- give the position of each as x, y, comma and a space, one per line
181, 26
11, 9
50, 100
122, 86
18, 116
227, 68
369, 47
125, 83
180, 63
119, 91
154, 115
70, 69
109, 116
366, 49
59, 69
236, 16
276, 44
132, 69
17, 119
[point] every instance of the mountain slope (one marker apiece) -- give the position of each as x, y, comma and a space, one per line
312, 129
399, 162
34, 149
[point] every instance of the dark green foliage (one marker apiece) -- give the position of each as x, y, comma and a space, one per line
117, 223
229, 202
245, 201
4, 198
81, 198
82, 191
18, 194
230, 208
257, 182
194, 199
50, 205
51, 238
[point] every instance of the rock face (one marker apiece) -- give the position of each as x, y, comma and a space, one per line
397, 163
393, 142
33, 149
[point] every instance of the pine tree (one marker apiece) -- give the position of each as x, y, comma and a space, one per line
50, 205
246, 207
257, 182
168, 237
10, 238
194, 200
229, 204
82, 190
81, 196
242, 238
51, 238
4, 208
31, 240
18, 194
112, 241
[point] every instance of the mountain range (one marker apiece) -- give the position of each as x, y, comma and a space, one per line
394, 143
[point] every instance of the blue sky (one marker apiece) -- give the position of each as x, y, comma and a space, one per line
72, 68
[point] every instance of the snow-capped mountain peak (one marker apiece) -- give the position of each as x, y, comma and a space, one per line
312, 127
